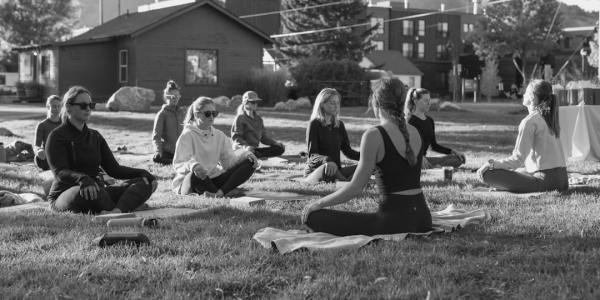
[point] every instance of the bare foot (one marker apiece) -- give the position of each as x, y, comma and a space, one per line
218, 194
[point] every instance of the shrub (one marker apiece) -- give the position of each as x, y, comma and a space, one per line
268, 84
490, 79
346, 76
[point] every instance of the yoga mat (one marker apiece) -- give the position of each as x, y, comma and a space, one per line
486, 192
273, 161
283, 196
24, 208
169, 212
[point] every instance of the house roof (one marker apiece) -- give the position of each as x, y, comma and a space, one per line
392, 60
133, 24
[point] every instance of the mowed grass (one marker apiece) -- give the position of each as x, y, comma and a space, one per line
544, 248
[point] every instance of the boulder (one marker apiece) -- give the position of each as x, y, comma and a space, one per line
221, 101
235, 101
450, 106
434, 104
131, 98
291, 105
303, 102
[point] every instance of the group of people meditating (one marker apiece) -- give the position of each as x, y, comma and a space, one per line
208, 162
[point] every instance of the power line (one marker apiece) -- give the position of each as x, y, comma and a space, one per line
291, 10
369, 23
553, 20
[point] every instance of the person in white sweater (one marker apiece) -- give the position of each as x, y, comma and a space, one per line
205, 162
537, 149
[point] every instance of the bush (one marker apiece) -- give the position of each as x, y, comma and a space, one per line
29, 90
346, 76
268, 84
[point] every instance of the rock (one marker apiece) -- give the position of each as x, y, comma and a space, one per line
6, 132
221, 101
291, 105
130, 98
235, 101
303, 102
449, 106
434, 104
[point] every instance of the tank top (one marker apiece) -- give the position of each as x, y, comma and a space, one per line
393, 172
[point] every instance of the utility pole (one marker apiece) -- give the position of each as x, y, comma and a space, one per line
100, 9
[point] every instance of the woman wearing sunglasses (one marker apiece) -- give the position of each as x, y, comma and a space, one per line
75, 154
168, 125
205, 161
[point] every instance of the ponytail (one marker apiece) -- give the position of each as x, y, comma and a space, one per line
547, 104
410, 154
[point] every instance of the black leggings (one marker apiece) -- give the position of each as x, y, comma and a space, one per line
396, 214
126, 196
517, 182
266, 152
225, 182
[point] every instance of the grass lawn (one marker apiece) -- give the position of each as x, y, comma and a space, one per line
545, 248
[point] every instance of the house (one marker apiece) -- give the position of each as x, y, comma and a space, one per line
201, 45
393, 63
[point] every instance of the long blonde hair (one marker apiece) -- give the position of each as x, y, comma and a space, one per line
196, 105
317, 112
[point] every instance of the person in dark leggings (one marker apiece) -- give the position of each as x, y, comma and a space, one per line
75, 154
248, 129
394, 151
417, 105
168, 125
205, 161
43, 129
326, 136
537, 149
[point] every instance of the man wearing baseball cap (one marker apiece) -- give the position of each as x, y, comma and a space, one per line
248, 129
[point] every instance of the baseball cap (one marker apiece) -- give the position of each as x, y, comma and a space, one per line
250, 96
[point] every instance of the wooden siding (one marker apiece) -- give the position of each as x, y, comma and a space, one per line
161, 53
93, 66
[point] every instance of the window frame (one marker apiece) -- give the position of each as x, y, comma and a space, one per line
408, 30
123, 67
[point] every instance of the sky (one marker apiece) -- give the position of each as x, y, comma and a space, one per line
589, 5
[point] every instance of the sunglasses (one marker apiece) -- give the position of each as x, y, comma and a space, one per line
210, 113
85, 106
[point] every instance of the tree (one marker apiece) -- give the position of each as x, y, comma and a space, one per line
594, 47
23, 22
526, 27
347, 43
490, 78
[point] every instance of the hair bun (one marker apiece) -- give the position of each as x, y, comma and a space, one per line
172, 85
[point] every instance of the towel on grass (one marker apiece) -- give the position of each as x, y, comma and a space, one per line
286, 241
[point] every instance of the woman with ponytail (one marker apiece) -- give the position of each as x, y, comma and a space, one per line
417, 105
205, 162
168, 125
393, 151
538, 149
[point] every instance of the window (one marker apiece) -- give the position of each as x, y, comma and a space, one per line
468, 27
380, 28
201, 67
442, 29
407, 27
411, 81
421, 50
123, 63
421, 28
441, 52
45, 68
378, 45
407, 49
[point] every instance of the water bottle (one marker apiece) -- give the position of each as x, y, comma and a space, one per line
2, 153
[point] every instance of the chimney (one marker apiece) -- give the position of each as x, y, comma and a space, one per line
475, 6
101, 12
405, 4
442, 7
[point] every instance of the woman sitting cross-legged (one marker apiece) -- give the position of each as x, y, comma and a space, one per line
393, 149
248, 129
75, 154
205, 161
538, 149
325, 137
417, 105
168, 125
43, 129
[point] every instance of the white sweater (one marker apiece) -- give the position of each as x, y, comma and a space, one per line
536, 147
210, 149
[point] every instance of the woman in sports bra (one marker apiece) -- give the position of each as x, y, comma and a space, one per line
394, 151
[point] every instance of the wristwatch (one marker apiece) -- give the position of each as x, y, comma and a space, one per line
491, 163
